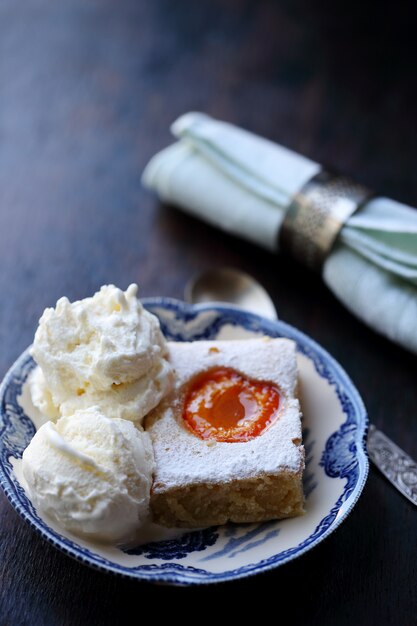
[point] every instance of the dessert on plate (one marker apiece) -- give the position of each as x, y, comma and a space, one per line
102, 366
139, 429
106, 350
92, 474
227, 439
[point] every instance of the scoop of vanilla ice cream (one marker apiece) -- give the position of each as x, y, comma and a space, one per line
92, 474
105, 350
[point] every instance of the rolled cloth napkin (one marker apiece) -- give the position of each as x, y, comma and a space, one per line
244, 184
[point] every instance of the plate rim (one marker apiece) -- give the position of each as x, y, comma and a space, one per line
176, 573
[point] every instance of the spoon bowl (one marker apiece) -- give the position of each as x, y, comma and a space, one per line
231, 286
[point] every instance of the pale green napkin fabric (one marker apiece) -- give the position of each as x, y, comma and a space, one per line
243, 184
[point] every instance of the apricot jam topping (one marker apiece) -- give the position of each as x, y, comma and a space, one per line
223, 405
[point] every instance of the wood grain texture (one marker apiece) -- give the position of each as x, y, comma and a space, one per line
88, 89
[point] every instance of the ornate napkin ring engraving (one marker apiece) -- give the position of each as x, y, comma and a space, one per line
317, 214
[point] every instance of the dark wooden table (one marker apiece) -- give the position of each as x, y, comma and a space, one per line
88, 89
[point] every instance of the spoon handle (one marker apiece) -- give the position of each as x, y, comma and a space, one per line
394, 463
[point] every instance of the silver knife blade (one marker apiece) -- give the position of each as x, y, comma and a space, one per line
394, 463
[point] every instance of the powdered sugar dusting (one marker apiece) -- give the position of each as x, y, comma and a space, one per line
183, 458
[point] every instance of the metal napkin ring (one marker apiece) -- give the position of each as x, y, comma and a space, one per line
317, 214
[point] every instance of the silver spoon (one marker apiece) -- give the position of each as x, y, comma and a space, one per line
231, 286
240, 289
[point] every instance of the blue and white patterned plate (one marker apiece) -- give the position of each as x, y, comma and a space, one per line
335, 427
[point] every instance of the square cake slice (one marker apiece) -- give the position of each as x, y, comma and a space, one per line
227, 440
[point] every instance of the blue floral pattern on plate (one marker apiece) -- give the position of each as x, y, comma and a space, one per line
336, 464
